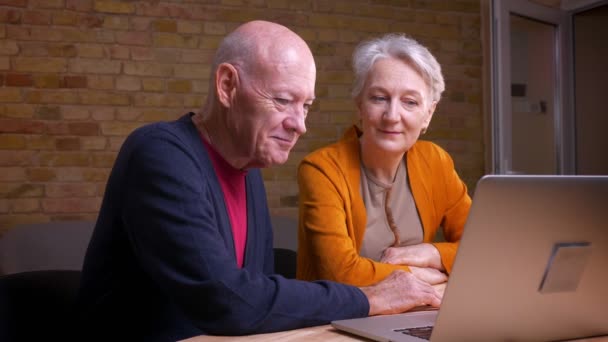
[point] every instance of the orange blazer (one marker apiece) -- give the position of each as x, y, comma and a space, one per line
332, 215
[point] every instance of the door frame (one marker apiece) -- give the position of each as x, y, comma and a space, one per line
501, 83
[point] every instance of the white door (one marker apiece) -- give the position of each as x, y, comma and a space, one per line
533, 118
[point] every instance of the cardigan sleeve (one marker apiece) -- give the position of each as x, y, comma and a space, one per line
327, 231
452, 204
172, 225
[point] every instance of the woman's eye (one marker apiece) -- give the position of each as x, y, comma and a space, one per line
410, 103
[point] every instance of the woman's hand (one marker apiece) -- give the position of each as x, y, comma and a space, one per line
432, 276
423, 255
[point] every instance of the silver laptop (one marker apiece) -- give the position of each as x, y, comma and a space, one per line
532, 266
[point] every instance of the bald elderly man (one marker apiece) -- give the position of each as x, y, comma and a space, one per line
183, 241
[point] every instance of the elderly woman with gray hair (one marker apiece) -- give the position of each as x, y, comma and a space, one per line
372, 203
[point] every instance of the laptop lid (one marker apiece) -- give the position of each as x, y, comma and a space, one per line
530, 266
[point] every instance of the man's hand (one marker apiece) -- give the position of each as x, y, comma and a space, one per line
420, 255
400, 292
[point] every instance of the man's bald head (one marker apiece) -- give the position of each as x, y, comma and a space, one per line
262, 86
258, 42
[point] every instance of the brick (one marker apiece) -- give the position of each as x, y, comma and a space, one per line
140, 53
75, 81
90, 21
56, 128
90, 51
192, 101
8, 47
64, 158
127, 114
15, 157
64, 18
4, 63
102, 114
11, 190
94, 66
94, 143
19, 80
52, 96
62, 50
189, 27
10, 95
192, 71
24, 205
71, 205
11, 142
79, 5
104, 98
210, 42
67, 144
141, 23
12, 174
23, 111
36, 18
46, 3
153, 115
10, 16
40, 142
214, 28
117, 7
83, 128
48, 113
2, 31
179, 86
147, 69
70, 190
96, 175
157, 100
165, 25
48, 81
129, 83
133, 38
196, 56
35, 64
153, 84
116, 22
75, 112
103, 159
116, 143
118, 52
172, 40
70, 174
100, 82
14, 3
118, 128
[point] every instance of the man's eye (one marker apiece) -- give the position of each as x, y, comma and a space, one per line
281, 101
378, 98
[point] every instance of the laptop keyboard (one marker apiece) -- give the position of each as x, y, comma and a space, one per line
420, 332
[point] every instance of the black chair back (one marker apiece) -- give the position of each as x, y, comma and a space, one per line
38, 305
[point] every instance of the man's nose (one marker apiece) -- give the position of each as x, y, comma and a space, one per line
297, 122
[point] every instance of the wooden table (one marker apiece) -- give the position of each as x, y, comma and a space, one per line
323, 333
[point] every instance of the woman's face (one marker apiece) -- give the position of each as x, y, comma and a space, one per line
394, 106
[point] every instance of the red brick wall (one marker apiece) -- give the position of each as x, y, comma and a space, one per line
76, 76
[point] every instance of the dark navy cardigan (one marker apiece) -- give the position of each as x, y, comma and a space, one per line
161, 262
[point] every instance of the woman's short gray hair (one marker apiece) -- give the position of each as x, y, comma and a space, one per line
401, 47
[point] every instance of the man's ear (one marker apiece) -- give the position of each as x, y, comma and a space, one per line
226, 79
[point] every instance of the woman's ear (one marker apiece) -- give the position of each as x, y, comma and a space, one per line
226, 80
429, 116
